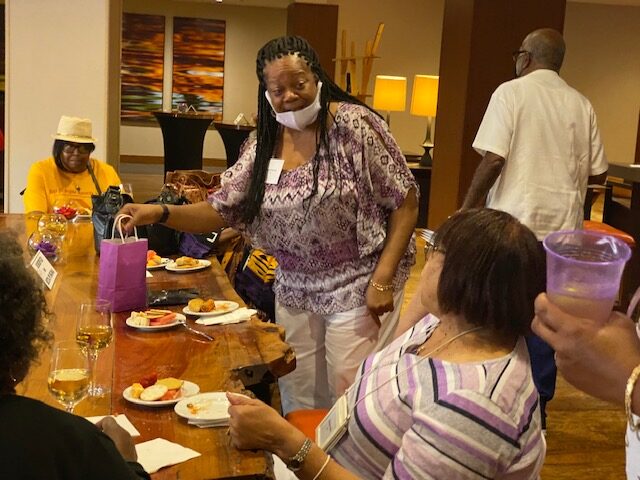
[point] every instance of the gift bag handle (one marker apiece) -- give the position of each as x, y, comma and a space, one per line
117, 223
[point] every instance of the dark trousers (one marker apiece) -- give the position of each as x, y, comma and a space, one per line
543, 367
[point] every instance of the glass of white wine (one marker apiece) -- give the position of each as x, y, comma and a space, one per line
68, 374
94, 331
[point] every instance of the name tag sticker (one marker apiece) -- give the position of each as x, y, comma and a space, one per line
274, 171
333, 426
44, 269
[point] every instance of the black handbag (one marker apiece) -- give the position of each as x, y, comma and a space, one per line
163, 240
105, 207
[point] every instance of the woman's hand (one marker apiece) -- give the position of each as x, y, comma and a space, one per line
255, 425
594, 357
379, 302
141, 213
122, 439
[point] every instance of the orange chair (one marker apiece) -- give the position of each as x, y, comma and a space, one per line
306, 420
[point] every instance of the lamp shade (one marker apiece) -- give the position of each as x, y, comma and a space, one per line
390, 93
424, 98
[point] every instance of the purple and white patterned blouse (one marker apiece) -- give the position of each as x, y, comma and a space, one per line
327, 251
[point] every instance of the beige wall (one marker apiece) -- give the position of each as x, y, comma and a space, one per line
53, 71
247, 29
603, 62
410, 45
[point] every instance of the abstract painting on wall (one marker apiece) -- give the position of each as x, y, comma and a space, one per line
198, 64
142, 66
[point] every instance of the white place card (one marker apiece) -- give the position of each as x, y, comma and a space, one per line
44, 269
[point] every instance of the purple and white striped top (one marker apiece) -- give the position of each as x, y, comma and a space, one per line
443, 420
326, 254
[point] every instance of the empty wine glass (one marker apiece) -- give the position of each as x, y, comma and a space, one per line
68, 374
94, 330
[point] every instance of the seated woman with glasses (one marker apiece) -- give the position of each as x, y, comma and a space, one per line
71, 176
453, 397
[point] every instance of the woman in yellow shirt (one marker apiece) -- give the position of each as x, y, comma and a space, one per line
71, 176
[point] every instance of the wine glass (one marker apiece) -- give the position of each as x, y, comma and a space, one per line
94, 330
127, 189
68, 374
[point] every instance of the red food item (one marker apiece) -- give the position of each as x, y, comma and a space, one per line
168, 318
148, 380
171, 394
68, 212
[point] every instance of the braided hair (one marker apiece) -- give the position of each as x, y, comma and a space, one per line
268, 127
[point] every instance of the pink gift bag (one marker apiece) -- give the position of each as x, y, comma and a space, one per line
122, 274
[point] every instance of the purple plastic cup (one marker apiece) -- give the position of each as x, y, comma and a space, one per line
584, 270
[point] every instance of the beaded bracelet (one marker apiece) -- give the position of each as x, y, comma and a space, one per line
380, 287
628, 394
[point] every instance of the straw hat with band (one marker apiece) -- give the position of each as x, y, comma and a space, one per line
74, 129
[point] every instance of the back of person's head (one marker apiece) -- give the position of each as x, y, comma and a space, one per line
546, 47
22, 314
493, 270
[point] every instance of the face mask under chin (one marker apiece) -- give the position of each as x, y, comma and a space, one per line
298, 119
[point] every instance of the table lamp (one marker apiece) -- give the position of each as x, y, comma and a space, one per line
424, 101
390, 94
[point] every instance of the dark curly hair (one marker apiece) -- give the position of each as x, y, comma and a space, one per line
268, 127
493, 270
23, 311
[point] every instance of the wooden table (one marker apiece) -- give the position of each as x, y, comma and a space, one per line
240, 356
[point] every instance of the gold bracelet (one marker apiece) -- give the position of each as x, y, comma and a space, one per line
628, 394
380, 287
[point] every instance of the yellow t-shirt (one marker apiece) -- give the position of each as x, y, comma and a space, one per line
49, 186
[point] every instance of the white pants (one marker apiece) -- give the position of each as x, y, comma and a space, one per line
329, 349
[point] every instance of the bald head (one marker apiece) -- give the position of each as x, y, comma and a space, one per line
547, 48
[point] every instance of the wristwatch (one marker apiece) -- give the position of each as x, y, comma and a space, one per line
165, 213
295, 463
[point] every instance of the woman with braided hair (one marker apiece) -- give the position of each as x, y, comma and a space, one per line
324, 188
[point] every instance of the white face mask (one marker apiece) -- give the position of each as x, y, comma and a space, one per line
298, 119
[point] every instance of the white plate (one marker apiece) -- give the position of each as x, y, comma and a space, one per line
151, 328
171, 266
210, 406
222, 307
163, 263
188, 389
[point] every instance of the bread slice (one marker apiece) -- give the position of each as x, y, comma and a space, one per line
154, 392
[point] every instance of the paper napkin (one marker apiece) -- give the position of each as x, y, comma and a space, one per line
158, 453
240, 315
121, 420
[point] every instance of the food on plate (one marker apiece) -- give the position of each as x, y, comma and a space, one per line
153, 317
200, 305
195, 304
171, 383
154, 392
150, 388
187, 262
153, 259
194, 408
136, 390
148, 380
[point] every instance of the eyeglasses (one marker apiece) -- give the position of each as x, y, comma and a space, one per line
430, 248
517, 53
80, 147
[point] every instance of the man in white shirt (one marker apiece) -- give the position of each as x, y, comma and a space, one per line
541, 148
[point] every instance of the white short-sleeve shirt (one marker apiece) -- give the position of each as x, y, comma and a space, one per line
548, 135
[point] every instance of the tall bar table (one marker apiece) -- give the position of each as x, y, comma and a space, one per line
183, 138
232, 136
